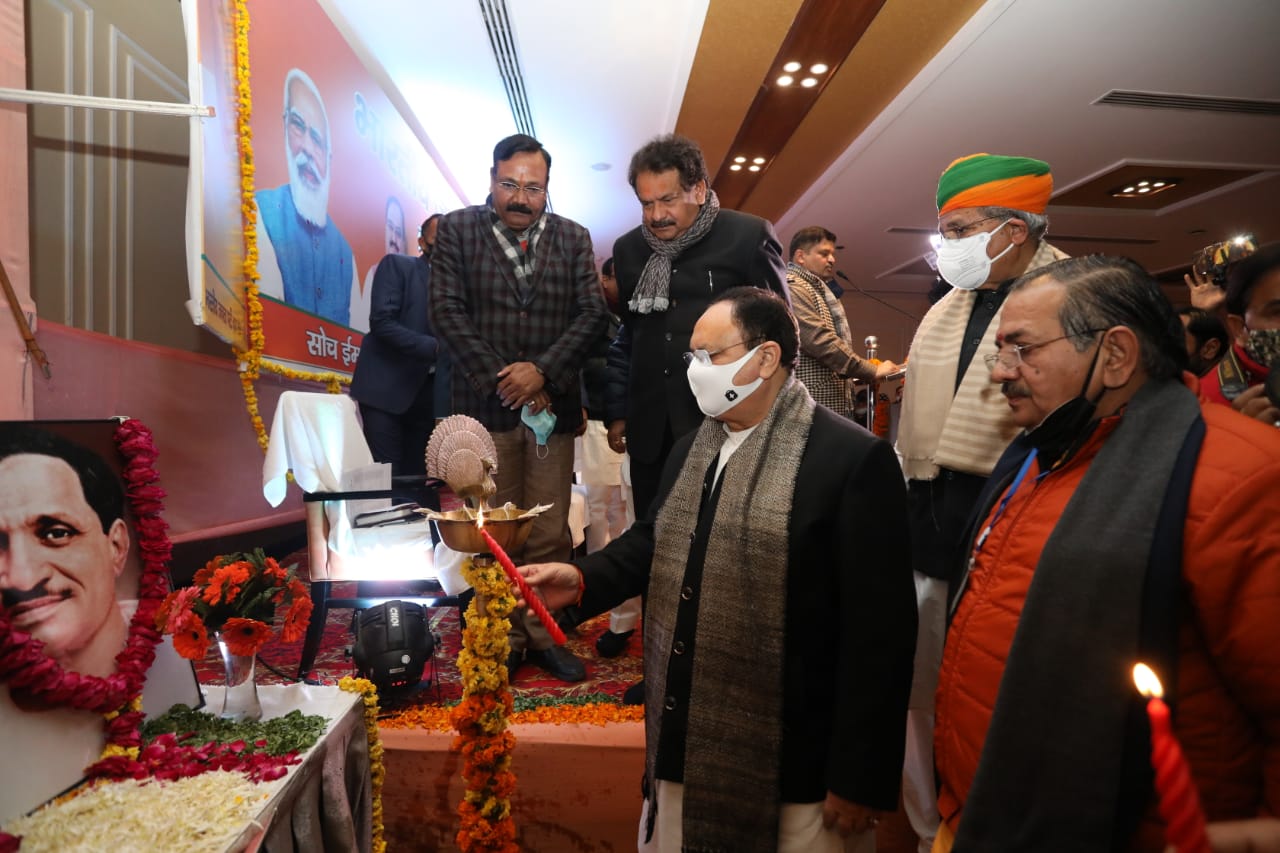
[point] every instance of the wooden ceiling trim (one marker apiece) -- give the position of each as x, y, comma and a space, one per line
823, 31
739, 41
898, 44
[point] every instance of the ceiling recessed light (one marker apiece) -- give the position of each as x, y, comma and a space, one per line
786, 80
809, 82
739, 159
791, 67
759, 161
753, 168
1145, 187
818, 68
736, 167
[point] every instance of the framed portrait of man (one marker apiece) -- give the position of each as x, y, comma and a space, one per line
69, 578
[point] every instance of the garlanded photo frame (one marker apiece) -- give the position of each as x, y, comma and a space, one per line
84, 555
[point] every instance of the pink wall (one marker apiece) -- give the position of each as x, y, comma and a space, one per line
210, 462
15, 370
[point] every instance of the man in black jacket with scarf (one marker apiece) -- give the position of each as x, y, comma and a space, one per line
686, 251
780, 606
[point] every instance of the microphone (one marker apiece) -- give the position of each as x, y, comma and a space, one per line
889, 305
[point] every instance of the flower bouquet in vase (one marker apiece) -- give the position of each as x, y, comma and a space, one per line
232, 602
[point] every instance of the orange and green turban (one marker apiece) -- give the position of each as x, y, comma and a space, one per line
992, 180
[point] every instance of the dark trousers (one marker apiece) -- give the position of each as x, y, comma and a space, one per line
401, 439
646, 476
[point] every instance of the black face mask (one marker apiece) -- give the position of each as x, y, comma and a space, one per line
1067, 427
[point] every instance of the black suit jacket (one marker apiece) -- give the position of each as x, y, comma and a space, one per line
486, 324
739, 249
400, 349
850, 614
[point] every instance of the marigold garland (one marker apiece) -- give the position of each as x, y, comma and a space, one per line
600, 712
250, 360
377, 769
481, 717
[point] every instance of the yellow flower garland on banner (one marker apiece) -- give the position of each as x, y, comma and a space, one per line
481, 717
377, 769
250, 360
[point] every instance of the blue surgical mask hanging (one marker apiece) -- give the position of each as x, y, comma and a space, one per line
542, 424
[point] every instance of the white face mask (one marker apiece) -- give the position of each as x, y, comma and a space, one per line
964, 262
713, 388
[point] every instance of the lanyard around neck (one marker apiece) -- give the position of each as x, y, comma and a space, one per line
1008, 496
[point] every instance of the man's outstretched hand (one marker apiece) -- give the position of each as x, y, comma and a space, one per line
559, 584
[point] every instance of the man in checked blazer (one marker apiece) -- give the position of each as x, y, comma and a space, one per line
518, 304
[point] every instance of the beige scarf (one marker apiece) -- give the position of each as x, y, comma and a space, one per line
731, 788
966, 428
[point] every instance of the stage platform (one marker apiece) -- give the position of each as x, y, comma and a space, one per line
578, 788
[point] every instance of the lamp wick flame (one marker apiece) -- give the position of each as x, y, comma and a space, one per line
480, 518
1147, 682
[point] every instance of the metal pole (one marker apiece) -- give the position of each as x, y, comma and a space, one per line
872, 344
65, 99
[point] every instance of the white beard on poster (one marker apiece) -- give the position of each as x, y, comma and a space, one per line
311, 201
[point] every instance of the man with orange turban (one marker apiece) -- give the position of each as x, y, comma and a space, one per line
955, 423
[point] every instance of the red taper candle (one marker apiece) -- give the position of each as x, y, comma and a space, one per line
525, 590
1179, 800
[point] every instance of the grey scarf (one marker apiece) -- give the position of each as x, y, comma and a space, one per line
731, 786
1049, 775
653, 291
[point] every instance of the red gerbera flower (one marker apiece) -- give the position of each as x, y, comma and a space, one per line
245, 636
226, 582
295, 620
192, 642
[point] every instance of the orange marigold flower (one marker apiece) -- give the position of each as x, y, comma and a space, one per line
296, 620
192, 642
245, 636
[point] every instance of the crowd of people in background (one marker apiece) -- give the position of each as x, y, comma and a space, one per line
1084, 477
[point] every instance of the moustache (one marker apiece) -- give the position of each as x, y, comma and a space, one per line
10, 597
517, 207
1012, 389
662, 223
303, 160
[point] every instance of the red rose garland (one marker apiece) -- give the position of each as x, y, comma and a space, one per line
33, 675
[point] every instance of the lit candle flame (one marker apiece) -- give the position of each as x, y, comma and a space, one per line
1147, 682
480, 518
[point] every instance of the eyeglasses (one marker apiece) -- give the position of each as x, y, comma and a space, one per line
298, 127
705, 357
956, 232
1012, 358
531, 190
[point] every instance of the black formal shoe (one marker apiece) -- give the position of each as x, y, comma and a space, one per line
514, 659
610, 645
634, 694
559, 662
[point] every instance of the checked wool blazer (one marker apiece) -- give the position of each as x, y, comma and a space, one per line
477, 308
